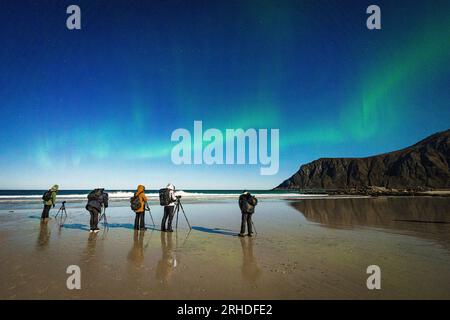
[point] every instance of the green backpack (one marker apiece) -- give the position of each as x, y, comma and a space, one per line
47, 196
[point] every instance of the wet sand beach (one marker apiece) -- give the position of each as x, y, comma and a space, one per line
304, 249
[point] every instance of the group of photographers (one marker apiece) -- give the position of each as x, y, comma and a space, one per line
98, 199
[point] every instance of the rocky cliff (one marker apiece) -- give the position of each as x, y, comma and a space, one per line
425, 165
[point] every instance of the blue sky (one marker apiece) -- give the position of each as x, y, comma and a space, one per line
97, 106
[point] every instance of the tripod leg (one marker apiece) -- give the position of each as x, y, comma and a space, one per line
177, 209
106, 221
63, 217
254, 227
190, 228
101, 217
153, 221
150, 213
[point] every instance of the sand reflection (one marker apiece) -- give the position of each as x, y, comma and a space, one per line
250, 270
136, 254
168, 262
425, 217
90, 246
44, 235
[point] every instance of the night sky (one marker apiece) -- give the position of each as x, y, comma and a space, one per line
97, 106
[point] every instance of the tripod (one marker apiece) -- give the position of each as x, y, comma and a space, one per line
177, 210
254, 228
62, 210
105, 221
147, 208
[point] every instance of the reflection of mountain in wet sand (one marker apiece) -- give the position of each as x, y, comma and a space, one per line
424, 217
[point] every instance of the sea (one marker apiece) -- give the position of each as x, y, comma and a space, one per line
13, 199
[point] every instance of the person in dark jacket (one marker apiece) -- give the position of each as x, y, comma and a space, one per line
96, 200
169, 210
49, 203
247, 204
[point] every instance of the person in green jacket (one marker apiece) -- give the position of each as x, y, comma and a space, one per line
49, 199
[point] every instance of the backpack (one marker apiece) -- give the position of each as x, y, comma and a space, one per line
249, 204
47, 196
252, 200
135, 203
164, 197
94, 194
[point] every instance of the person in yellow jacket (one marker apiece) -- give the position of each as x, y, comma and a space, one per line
139, 221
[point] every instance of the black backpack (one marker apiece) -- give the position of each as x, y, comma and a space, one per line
249, 204
135, 203
252, 200
94, 194
164, 197
47, 196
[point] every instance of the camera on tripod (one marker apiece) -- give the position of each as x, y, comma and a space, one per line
177, 210
62, 210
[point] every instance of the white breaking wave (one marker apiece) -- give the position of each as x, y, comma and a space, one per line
199, 195
116, 194
125, 195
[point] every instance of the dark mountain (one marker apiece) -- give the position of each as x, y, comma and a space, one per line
425, 165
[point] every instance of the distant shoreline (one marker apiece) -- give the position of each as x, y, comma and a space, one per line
375, 192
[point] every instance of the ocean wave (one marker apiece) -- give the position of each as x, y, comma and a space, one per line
125, 195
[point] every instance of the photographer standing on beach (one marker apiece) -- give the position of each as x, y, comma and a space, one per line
138, 203
96, 199
167, 199
49, 199
247, 204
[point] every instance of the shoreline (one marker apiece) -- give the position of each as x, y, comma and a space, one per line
376, 192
